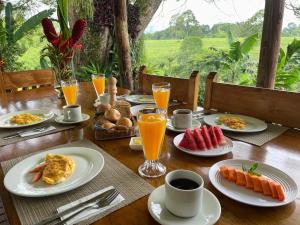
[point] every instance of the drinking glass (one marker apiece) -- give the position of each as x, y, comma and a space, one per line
99, 84
152, 127
70, 89
161, 94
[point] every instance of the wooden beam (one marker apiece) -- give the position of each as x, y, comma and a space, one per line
122, 40
270, 43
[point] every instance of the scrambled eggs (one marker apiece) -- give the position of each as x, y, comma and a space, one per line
25, 118
58, 168
233, 122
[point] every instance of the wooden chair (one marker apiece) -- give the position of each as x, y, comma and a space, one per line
24, 80
182, 90
274, 106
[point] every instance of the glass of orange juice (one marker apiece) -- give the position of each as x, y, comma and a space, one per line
161, 94
152, 127
99, 84
70, 89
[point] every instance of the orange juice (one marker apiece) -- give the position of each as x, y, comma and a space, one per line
99, 84
152, 129
70, 93
161, 97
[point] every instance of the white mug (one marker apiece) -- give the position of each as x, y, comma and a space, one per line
182, 118
180, 202
72, 113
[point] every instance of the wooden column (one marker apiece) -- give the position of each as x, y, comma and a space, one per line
270, 43
122, 40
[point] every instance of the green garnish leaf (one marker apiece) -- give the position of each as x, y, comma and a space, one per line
252, 169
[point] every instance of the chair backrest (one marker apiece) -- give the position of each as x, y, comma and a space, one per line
270, 105
182, 90
23, 80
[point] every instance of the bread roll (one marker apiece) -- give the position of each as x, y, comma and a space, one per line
108, 125
101, 120
124, 122
103, 107
112, 115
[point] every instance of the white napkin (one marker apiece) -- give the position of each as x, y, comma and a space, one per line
29, 133
86, 214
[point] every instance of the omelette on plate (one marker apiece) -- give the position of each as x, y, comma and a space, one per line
55, 169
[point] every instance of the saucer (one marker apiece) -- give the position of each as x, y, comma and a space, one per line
208, 214
60, 119
195, 123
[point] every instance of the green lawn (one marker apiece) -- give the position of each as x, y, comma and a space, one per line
158, 51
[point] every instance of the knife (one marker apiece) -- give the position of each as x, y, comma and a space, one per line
17, 134
95, 199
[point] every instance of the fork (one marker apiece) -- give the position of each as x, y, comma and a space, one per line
17, 134
106, 202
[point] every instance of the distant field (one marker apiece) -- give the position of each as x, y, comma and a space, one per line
158, 51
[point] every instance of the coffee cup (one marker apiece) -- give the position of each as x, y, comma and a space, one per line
105, 98
182, 118
72, 113
183, 193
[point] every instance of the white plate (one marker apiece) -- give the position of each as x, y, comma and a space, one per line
140, 99
209, 213
252, 124
88, 163
5, 119
135, 109
244, 195
195, 123
222, 150
60, 119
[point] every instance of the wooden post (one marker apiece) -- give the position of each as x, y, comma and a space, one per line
122, 40
270, 43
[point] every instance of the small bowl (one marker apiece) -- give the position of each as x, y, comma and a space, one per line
134, 146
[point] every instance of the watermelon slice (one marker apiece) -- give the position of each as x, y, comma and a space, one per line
206, 137
188, 140
220, 136
199, 139
213, 137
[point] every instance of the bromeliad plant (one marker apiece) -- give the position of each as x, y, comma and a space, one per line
63, 45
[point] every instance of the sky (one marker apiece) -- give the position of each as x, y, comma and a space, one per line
211, 13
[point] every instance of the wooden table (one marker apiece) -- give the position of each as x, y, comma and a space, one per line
282, 152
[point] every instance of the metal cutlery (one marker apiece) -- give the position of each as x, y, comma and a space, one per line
98, 205
17, 134
99, 198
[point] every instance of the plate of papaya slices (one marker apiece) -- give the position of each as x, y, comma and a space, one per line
253, 183
205, 142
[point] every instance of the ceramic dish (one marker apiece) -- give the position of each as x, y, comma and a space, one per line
60, 119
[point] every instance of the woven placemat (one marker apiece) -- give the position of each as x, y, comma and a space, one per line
3, 217
6, 132
259, 138
114, 173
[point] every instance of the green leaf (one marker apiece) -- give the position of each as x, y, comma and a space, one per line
230, 37
249, 43
31, 23
235, 52
9, 24
254, 167
63, 14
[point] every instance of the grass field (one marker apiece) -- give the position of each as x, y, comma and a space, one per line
158, 51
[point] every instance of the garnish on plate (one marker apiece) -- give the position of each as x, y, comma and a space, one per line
251, 179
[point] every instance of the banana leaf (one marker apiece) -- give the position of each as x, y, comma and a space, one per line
9, 24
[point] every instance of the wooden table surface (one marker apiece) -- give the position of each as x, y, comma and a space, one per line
282, 152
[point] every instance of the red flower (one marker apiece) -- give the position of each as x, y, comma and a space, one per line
50, 32
78, 30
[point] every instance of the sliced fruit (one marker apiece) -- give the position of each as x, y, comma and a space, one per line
266, 187
189, 142
220, 136
37, 177
273, 190
213, 137
249, 181
257, 187
280, 192
224, 171
240, 178
38, 168
199, 140
206, 137
231, 174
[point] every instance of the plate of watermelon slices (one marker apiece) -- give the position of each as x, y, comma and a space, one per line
205, 142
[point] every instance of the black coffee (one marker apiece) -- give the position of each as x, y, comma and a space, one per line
73, 106
183, 112
184, 184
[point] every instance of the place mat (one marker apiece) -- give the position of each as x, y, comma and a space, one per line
114, 173
259, 138
3, 217
7, 131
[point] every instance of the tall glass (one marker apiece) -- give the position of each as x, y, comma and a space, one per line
152, 127
99, 84
70, 89
161, 94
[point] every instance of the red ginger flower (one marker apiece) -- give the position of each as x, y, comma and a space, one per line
50, 31
78, 30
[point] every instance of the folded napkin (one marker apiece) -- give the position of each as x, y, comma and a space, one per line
30, 133
88, 213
